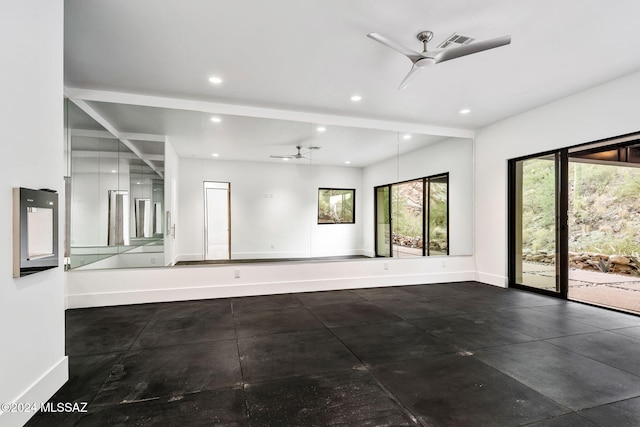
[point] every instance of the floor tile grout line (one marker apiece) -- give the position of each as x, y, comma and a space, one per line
533, 423
591, 358
473, 355
611, 403
117, 356
142, 330
393, 397
614, 331
244, 384
606, 309
526, 386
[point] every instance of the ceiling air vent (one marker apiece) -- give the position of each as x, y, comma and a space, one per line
456, 40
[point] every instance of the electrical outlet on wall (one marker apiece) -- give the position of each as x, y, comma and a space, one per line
236, 274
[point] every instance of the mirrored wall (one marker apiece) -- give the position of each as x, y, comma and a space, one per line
115, 200
281, 180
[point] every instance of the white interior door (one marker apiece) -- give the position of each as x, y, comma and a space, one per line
216, 220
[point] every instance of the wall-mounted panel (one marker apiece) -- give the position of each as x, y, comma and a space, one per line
35, 231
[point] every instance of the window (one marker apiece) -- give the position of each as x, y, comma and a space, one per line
412, 217
336, 206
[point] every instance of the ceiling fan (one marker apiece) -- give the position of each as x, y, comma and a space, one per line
298, 155
427, 59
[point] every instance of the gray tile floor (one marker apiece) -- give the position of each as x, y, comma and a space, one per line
449, 354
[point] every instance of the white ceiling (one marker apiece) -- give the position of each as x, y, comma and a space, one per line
240, 138
313, 55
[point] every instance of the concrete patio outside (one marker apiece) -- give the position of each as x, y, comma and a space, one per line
607, 289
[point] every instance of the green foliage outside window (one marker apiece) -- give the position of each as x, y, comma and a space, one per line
336, 206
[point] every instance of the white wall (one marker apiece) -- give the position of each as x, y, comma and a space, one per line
273, 209
92, 288
90, 202
32, 361
605, 111
452, 155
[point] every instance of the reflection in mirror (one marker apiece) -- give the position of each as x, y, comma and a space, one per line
383, 222
118, 218
143, 217
407, 201
274, 203
107, 176
438, 216
157, 218
336, 206
416, 215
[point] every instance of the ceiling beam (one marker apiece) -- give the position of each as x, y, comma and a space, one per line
262, 112
86, 133
102, 154
84, 106
142, 137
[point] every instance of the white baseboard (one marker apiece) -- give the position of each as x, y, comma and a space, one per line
187, 257
39, 392
183, 293
492, 279
272, 255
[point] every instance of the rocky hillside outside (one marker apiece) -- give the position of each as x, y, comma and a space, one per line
604, 215
407, 205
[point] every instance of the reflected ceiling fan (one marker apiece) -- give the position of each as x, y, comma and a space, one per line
427, 59
298, 155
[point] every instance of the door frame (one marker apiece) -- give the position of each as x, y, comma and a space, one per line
562, 207
205, 222
561, 222
426, 211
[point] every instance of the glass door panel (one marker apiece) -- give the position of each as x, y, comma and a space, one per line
536, 261
407, 214
438, 216
604, 236
383, 222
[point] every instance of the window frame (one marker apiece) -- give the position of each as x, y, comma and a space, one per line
426, 211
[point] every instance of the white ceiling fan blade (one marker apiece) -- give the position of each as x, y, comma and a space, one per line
457, 52
282, 157
409, 77
411, 54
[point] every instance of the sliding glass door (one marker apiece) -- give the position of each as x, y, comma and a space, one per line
437, 219
383, 221
412, 217
407, 227
538, 223
574, 221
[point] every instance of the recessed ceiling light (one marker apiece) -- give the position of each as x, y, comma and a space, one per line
356, 98
465, 111
214, 154
285, 159
138, 183
321, 129
406, 136
347, 162
114, 171
215, 80
215, 119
